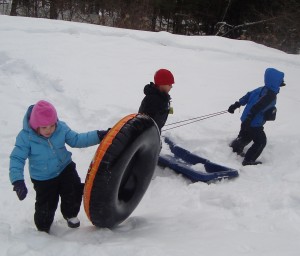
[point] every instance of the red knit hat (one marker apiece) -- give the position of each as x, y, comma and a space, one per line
43, 114
163, 77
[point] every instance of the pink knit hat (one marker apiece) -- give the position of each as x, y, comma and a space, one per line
43, 114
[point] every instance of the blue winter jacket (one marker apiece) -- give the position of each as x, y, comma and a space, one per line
47, 156
273, 80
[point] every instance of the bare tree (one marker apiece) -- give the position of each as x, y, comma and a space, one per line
14, 5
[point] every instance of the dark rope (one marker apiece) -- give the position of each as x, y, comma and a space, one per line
196, 119
216, 113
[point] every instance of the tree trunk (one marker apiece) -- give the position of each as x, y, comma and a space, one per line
14, 5
53, 9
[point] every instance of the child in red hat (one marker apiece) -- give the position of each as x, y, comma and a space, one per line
156, 103
52, 171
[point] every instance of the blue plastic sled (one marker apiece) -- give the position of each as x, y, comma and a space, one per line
214, 172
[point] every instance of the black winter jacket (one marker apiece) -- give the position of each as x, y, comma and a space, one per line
155, 104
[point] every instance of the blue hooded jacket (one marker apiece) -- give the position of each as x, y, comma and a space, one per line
273, 80
47, 156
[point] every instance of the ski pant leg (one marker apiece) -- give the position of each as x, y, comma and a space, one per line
47, 196
260, 141
243, 139
70, 190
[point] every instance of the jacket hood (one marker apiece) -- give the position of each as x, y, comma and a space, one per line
150, 89
26, 125
273, 79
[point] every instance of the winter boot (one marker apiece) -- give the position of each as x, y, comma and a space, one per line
73, 222
251, 162
242, 154
238, 145
46, 230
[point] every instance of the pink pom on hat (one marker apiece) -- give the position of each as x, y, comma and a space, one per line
43, 114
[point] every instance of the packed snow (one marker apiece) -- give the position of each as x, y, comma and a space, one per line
94, 76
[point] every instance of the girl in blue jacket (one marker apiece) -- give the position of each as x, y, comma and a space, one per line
53, 173
260, 106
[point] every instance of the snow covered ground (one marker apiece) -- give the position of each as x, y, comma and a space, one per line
95, 76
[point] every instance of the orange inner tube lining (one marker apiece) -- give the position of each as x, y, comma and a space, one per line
102, 148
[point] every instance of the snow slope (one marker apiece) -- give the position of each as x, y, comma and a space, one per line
94, 76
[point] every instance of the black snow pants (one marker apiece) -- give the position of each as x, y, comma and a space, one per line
68, 187
255, 134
